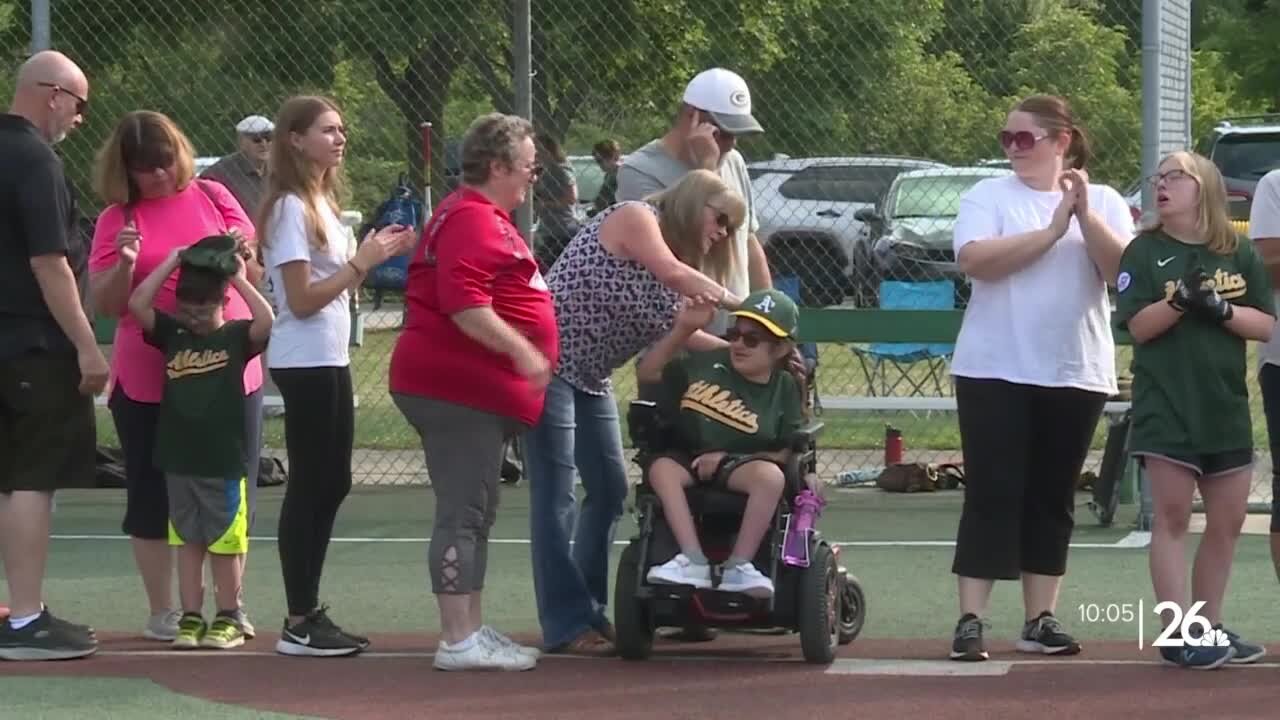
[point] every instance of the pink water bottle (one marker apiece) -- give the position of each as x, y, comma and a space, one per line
807, 508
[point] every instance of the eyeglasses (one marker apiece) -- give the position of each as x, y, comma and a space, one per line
1169, 176
750, 338
1023, 139
81, 103
264, 137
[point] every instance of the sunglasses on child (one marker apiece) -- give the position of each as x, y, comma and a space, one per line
1022, 140
749, 338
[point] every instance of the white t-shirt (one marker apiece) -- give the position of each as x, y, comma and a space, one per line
321, 339
1264, 222
1048, 324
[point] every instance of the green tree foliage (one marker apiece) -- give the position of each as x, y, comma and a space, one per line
930, 78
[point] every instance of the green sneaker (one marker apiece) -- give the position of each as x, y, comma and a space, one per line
191, 631
224, 634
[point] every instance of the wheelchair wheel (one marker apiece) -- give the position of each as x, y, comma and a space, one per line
853, 609
631, 620
818, 606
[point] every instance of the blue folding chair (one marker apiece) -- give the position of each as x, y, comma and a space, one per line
876, 358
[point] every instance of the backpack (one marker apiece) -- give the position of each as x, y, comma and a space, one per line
403, 207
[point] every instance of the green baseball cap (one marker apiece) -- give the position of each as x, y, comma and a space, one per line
773, 309
215, 252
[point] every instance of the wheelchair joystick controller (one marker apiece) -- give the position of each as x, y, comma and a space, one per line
806, 509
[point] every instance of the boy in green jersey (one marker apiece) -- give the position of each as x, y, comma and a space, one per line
736, 409
200, 432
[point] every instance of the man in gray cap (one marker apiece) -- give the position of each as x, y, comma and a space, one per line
243, 172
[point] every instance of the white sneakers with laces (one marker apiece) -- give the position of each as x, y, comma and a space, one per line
743, 578
486, 649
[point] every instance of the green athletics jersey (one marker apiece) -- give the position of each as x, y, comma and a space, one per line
201, 426
719, 410
1189, 393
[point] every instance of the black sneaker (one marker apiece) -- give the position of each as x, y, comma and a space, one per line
321, 615
1045, 636
317, 636
47, 638
968, 645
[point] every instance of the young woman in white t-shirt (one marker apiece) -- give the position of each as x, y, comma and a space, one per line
311, 272
1034, 364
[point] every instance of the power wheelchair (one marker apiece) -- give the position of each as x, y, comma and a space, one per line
822, 601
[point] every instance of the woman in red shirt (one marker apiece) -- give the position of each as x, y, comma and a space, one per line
470, 369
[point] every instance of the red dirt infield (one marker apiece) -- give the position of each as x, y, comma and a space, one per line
736, 676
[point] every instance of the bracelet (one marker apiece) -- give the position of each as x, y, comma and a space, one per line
356, 268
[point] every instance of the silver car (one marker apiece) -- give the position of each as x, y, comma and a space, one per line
909, 233
807, 207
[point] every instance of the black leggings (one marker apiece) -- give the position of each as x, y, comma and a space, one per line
1024, 447
1269, 381
319, 429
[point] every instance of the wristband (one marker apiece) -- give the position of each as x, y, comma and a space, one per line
356, 268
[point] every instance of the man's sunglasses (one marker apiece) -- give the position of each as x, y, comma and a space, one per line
263, 137
81, 103
1022, 139
749, 338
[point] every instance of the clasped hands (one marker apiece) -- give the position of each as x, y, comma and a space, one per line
1193, 293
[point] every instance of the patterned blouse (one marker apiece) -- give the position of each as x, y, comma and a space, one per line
608, 309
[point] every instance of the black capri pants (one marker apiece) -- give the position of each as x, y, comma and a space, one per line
1024, 447
1269, 382
146, 514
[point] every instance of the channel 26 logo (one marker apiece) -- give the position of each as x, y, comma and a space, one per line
1192, 629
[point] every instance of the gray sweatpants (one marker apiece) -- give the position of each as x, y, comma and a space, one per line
463, 449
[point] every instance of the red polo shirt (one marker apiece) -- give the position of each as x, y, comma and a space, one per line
471, 255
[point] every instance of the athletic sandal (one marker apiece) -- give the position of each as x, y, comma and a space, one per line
590, 643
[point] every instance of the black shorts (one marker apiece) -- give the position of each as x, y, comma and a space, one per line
719, 478
48, 433
1204, 464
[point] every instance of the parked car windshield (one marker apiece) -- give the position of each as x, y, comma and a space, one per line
843, 183
931, 196
1247, 156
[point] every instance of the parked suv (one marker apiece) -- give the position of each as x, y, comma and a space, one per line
806, 208
1244, 149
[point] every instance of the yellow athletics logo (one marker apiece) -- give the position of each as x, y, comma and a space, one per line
719, 404
190, 362
1229, 285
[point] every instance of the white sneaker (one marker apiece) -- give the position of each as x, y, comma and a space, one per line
163, 626
482, 655
745, 578
680, 570
494, 637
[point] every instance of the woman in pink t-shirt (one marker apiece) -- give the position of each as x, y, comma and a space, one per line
145, 172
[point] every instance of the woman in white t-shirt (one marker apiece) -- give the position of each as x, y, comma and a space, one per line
1034, 364
311, 272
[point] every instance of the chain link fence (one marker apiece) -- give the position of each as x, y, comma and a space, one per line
879, 115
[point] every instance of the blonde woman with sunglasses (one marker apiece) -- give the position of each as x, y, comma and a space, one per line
616, 288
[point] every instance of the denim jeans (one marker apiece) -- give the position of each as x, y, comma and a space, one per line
1269, 382
578, 431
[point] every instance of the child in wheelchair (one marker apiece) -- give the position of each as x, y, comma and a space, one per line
734, 411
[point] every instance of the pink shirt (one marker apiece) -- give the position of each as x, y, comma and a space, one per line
165, 223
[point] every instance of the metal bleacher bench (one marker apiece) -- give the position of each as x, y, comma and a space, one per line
847, 402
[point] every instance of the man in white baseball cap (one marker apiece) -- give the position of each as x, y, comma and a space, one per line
243, 171
714, 111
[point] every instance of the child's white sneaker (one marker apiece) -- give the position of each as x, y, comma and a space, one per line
680, 570
745, 578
